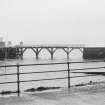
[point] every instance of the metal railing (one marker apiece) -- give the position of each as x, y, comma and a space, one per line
68, 77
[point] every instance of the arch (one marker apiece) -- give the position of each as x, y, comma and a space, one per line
28, 52
44, 53
76, 53
60, 51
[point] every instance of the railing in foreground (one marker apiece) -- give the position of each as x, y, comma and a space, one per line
68, 77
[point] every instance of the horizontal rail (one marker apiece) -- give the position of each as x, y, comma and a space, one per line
34, 80
52, 63
84, 75
32, 64
32, 72
57, 78
97, 73
42, 72
51, 71
60, 63
8, 74
48, 79
87, 68
43, 79
8, 82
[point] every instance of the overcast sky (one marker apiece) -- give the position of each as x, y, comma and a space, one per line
53, 21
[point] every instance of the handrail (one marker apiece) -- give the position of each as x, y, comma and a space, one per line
68, 70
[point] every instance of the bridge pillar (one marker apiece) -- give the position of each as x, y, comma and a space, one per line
21, 53
67, 55
37, 51
68, 50
52, 55
17, 53
51, 51
37, 55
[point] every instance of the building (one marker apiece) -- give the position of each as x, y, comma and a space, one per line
94, 53
7, 52
2, 43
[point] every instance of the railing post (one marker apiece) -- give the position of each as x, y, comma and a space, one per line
68, 74
18, 81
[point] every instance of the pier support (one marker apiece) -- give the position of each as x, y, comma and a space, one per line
37, 55
51, 54
17, 53
21, 53
67, 50
51, 51
37, 51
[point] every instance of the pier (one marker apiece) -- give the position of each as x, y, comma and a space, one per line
20, 49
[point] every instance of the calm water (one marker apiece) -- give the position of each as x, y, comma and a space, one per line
29, 58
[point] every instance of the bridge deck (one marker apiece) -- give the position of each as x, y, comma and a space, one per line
54, 46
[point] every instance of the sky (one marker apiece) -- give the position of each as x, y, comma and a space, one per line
53, 21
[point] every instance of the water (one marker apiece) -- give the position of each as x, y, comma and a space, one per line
29, 59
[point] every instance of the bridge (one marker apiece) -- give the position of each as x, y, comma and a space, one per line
67, 48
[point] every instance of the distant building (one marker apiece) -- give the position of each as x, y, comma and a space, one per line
21, 43
7, 53
9, 44
94, 53
2, 43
